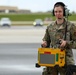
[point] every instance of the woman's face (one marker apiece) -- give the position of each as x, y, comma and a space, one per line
58, 11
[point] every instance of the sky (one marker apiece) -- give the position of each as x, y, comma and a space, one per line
38, 5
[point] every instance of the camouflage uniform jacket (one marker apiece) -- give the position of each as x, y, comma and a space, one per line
55, 32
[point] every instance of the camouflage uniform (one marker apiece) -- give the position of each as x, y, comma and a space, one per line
55, 32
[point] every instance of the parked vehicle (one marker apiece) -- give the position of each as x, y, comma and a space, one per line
5, 22
38, 22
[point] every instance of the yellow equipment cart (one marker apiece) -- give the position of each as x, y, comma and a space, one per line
51, 57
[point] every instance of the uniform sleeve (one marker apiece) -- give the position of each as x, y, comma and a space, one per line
72, 42
46, 36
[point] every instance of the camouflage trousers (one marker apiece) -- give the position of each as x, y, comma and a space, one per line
53, 71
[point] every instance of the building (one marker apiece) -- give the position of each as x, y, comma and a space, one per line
24, 11
12, 9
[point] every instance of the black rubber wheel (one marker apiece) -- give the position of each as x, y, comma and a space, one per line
37, 65
56, 66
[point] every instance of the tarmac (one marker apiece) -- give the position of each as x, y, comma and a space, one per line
31, 35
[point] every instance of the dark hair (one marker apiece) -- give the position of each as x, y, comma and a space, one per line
60, 4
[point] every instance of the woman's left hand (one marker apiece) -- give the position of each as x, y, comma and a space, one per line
63, 43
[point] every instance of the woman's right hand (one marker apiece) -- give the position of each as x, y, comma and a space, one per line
44, 44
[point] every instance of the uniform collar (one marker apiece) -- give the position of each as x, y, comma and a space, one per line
63, 24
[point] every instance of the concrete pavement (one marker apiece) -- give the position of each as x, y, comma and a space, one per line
21, 35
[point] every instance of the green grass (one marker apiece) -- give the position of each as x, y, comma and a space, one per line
25, 17
32, 17
72, 17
